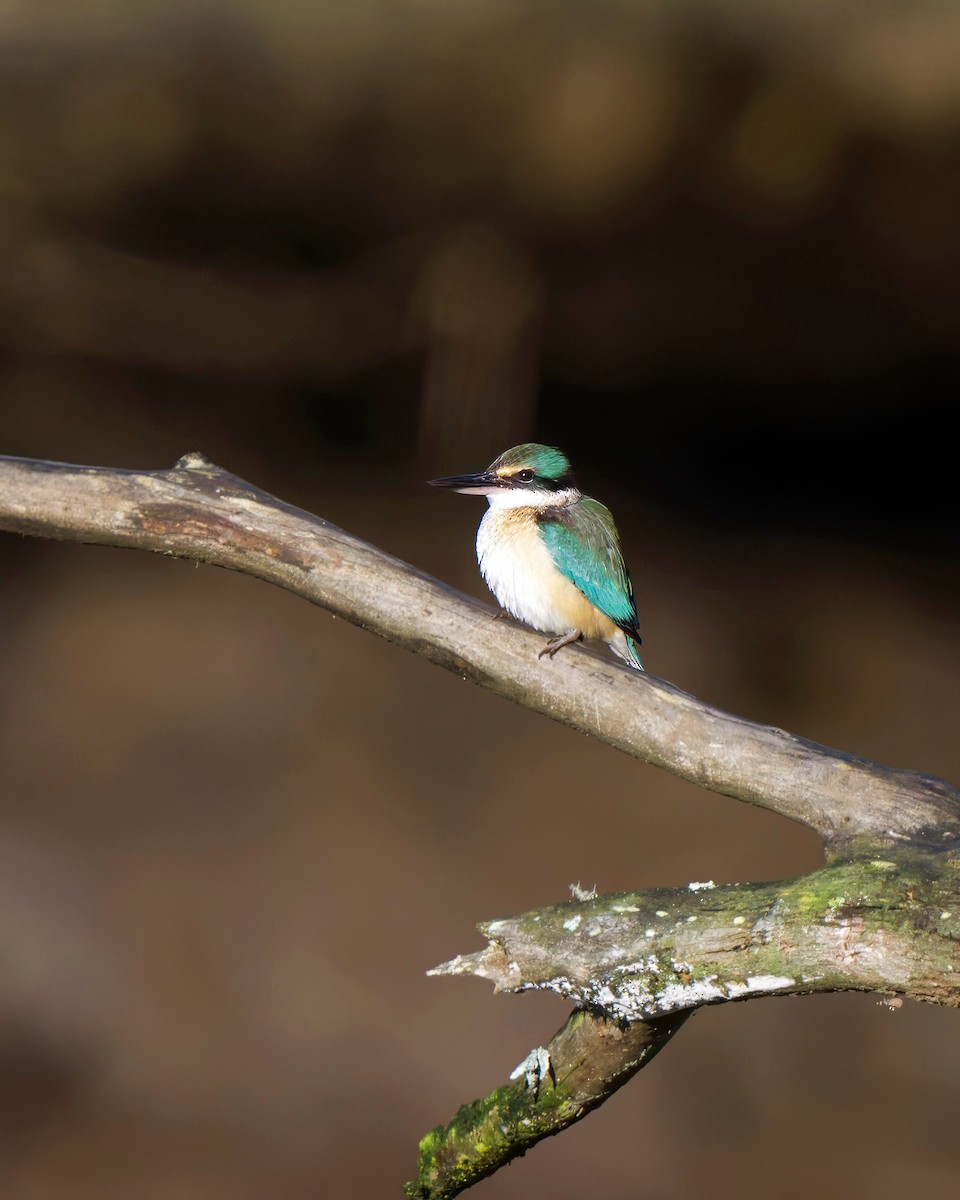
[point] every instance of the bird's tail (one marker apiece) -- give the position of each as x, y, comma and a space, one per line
626, 647
634, 660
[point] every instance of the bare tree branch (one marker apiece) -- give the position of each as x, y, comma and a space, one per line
198, 511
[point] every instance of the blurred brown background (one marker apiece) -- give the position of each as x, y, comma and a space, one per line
709, 248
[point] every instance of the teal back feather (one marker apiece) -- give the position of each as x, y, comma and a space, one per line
583, 543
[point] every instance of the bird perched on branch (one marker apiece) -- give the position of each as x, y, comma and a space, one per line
551, 555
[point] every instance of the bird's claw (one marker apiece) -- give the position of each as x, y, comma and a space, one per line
565, 639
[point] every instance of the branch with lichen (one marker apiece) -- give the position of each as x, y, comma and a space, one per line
879, 916
882, 918
866, 922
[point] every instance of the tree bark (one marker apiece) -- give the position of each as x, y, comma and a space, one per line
198, 511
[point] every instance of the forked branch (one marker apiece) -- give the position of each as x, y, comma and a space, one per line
880, 915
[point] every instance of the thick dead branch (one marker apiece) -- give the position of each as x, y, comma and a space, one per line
198, 511
867, 923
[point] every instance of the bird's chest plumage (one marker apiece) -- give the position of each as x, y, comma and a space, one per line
520, 571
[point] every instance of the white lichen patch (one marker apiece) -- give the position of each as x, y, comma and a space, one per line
573, 923
624, 908
690, 995
559, 983
649, 933
642, 992
739, 920
660, 913
945, 916
648, 965
535, 1068
612, 1002
759, 983
701, 887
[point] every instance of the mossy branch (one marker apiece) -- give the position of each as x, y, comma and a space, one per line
586, 1061
880, 919
871, 922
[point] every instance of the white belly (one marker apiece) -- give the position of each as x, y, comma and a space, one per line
519, 571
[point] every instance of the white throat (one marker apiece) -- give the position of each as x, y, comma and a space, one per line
521, 498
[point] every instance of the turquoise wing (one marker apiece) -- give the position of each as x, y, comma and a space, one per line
583, 542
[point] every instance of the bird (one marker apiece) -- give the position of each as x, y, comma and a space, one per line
551, 555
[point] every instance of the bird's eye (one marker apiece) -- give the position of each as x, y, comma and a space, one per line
525, 476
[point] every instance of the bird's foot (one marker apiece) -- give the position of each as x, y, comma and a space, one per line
559, 642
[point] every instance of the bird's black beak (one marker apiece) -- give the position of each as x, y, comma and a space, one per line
481, 484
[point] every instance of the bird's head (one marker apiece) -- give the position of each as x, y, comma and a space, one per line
530, 474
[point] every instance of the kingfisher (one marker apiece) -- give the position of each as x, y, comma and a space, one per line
551, 555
